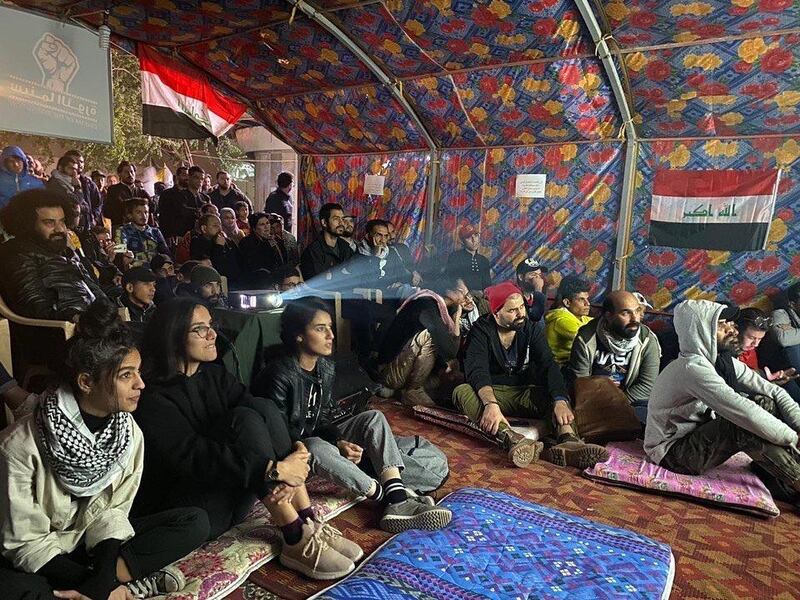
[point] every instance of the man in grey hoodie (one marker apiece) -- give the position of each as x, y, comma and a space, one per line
696, 420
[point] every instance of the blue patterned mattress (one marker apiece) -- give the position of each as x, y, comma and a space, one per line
499, 546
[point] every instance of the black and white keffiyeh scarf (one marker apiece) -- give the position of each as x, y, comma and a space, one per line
620, 346
85, 463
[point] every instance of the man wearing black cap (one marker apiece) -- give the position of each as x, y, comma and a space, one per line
530, 279
140, 289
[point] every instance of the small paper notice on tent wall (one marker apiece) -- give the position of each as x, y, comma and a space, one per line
531, 186
373, 185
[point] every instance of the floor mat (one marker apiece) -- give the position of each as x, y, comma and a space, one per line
730, 485
499, 546
719, 555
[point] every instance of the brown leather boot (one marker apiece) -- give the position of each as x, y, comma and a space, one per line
522, 451
571, 451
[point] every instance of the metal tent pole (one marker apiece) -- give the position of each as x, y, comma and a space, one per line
395, 87
631, 145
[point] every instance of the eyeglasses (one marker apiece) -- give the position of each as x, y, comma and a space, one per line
202, 331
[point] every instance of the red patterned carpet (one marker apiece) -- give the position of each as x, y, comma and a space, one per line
719, 554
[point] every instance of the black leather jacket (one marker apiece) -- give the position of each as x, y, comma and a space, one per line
38, 283
286, 384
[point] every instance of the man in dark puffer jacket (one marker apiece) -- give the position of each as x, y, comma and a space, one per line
41, 277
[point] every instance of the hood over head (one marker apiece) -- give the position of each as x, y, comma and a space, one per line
14, 151
696, 325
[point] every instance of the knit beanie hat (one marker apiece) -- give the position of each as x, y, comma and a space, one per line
202, 275
498, 294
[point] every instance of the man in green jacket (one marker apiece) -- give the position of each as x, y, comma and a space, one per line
619, 346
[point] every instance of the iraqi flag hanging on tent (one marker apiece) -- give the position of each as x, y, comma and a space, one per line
713, 209
178, 101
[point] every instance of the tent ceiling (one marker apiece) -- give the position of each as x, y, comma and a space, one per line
482, 73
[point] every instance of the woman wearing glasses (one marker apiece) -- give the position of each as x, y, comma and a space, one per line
212, 445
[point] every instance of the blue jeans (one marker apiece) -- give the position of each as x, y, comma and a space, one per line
371, 431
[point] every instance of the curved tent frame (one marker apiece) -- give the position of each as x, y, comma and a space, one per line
494, 87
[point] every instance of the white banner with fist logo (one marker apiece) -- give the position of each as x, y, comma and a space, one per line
55, 80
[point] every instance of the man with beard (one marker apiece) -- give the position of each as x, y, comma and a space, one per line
206, 286
163, 267
42, 277
378, 264
530, 279
226, 194
619, 346
699, 416
506, 356
180, 205
210, 242
329, 252
349, 234
89, 190
64, 181
119, 193
473, 308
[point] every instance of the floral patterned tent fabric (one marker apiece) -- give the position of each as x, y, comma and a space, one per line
504, 87
571, 230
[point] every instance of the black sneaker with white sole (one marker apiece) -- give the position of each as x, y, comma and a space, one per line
414, 513
167, 580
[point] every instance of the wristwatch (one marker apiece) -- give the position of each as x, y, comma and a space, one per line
272, 474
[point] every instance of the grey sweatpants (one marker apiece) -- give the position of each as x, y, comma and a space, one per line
370, 431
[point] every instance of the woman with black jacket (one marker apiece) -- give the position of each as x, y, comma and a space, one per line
212, 445
300, 384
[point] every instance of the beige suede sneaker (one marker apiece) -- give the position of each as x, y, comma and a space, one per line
314, 557
338, 542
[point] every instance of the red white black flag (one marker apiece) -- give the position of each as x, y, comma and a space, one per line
178, 101
713, 209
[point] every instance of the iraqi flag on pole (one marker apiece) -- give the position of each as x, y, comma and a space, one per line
179, 102
713, 209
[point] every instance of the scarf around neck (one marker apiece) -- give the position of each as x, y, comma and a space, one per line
443, 313
85, 463
617, 345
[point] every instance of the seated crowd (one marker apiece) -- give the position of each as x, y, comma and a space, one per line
147, 446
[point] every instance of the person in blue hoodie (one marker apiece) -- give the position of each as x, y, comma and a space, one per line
14, 174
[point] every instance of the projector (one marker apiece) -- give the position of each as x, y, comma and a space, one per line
255, 299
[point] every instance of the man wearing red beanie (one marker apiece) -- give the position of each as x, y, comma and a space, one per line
506, 355
469, 264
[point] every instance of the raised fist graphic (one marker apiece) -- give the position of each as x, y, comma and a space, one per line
57, 61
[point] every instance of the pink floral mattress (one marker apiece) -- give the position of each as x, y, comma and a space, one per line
731, 485
217, 568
